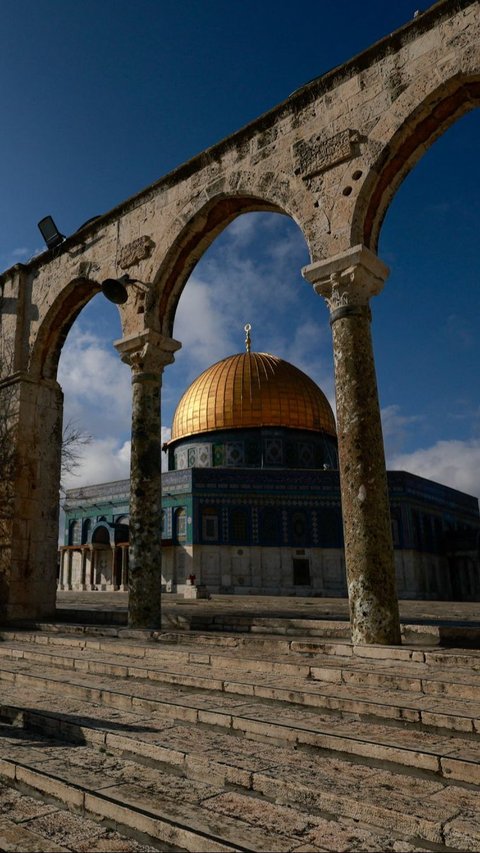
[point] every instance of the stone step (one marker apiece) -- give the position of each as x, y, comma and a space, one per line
31, 826
282, 774
428, 631
201, 815
405, 697
414, 807
276, 653
438, 678
255, 718
85, 636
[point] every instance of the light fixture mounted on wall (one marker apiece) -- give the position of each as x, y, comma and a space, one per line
115, 289
50, 233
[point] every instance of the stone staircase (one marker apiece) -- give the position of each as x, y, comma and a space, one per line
215, 742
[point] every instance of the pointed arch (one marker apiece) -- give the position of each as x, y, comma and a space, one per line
414, 135
56, 325
190, 242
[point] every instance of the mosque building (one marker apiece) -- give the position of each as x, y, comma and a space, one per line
251, 500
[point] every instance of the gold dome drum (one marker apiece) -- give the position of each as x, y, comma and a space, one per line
252, 389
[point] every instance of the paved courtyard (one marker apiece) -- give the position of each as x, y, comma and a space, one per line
280, 606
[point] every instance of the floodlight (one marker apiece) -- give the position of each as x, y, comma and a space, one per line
50, 232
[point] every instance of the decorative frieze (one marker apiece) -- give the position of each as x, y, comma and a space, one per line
319, 153
136, 251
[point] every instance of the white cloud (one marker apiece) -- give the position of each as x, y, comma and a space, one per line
106, 460
97, 392
395, 427
250, 275
102, 461
22, 254
454, 463
200, 325
243, 229
96, 384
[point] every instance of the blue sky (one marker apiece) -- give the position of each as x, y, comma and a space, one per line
99, 99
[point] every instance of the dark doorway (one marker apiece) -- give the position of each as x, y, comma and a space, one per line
301, 571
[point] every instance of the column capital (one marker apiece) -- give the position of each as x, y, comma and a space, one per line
147, 353
347, 281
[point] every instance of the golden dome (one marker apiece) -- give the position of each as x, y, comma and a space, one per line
252, 389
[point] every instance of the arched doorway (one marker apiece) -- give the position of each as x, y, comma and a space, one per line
102, 558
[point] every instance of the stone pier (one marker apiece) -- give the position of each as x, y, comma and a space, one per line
32, 413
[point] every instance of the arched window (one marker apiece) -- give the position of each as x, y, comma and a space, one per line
330, 527
75, 532
239, 527
396, 522
299, 528
87, 526
210, 524
101, 536
270, 527
121, 531
181, 524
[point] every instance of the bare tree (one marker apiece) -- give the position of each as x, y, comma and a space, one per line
74, 438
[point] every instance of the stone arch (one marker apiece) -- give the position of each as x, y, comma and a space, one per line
86, 530
122, 530
75, 532
101, 534
197, 233
56, 325
417, 126
180, 524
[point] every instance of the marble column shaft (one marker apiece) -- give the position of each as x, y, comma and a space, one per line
147, 354
347, 282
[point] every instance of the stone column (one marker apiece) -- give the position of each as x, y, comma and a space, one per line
62, 568
347, 282
147, 354
94, 567
113, 579
83, 573
69, 569
123, 581
91, 569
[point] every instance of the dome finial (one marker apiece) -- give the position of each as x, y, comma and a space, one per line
247, 328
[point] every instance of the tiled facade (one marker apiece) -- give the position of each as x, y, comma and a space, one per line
274, 532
